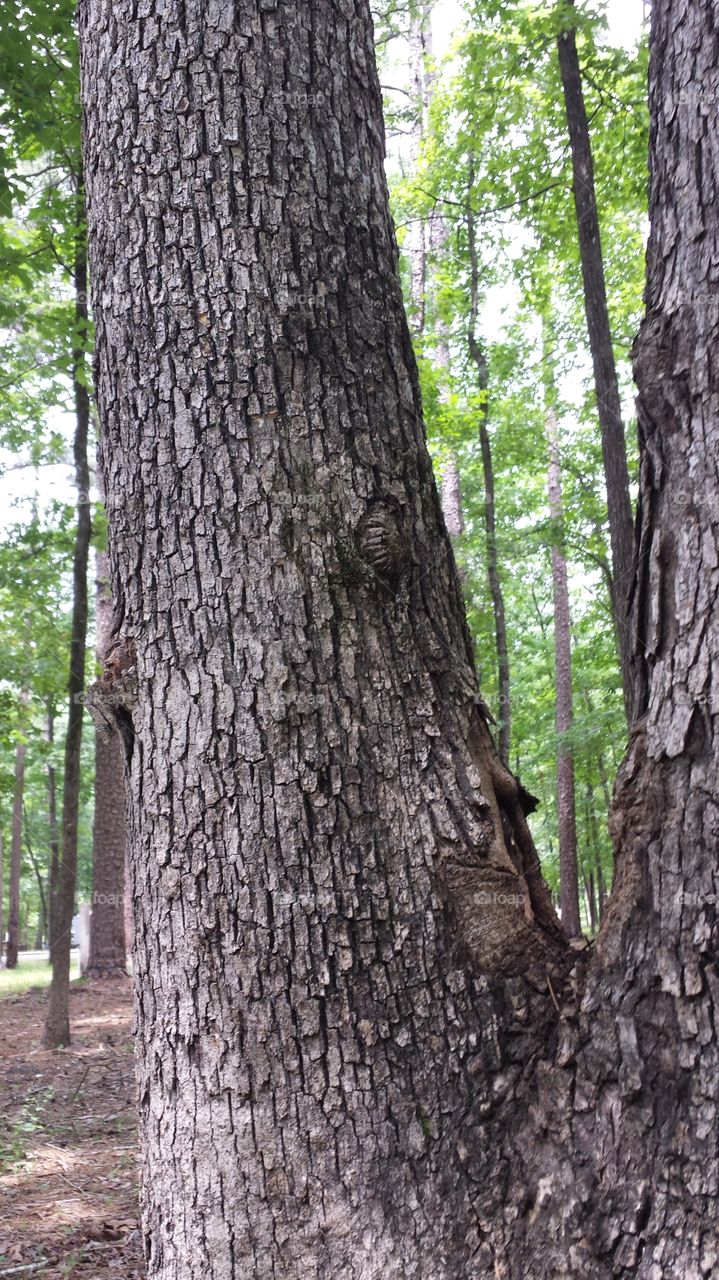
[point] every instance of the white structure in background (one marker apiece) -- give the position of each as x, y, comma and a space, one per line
80, 934
85, 913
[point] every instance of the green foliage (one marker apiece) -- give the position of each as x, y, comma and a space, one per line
41, 224
495, 146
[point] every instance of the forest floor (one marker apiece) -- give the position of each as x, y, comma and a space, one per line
68, 1144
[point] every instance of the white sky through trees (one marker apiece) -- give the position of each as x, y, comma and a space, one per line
20, 487
624, 16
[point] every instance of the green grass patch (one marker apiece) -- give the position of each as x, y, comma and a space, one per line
32, 973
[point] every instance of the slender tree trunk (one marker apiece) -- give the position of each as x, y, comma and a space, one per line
592, 903
588, 883
606, 796
590, 861
609, 410
108, 953
477, 353
566, 805
362, 1050
594, 841
566, 800
419, 40
57, 1025
422, 88
13, 924
52, 828
42, 913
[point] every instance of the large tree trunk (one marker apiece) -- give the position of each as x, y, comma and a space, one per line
648, 1067
316, 809
108, 949
13, 921
57, 1024
358, 1055
621, 531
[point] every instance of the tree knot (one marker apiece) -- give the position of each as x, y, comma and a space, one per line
381, 540
111, 698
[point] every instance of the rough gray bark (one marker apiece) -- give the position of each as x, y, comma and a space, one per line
57, 1023
316, 807
358, 1055
108, 948
2, 894
566, 804
609, 411
13, 920
653, 984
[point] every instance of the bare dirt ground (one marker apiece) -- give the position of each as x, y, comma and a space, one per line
68, 1147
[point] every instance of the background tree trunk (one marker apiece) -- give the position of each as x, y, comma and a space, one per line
476, 351
564, 705
621, 532
420, 39
422, 88
594, 839
108, 952
452, 499
42, 913
52, 829
13, 922
57, 1025
566, 807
